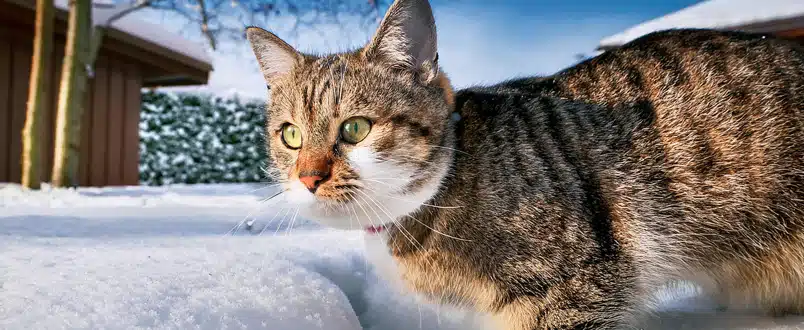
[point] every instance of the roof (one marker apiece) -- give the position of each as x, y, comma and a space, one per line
189, 62
744, 15
148, 31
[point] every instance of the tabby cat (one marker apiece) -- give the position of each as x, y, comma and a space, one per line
558, 202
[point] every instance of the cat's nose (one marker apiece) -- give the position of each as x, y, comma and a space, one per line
314, 169
311, 182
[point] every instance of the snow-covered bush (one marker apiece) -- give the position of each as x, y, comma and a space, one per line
192, 138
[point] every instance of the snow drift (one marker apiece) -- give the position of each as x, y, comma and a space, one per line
158, 258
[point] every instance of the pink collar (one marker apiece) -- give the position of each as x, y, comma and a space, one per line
375, 229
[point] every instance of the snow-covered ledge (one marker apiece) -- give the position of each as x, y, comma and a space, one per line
746, 15
158, 257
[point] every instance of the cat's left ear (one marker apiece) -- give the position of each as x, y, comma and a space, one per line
406, 38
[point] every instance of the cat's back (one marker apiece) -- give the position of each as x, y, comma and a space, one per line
723, 131
677, 73
688, 62
721, 104
714, 124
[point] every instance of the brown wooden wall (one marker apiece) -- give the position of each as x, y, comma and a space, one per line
109, 131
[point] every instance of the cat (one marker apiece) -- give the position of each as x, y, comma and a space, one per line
558, 202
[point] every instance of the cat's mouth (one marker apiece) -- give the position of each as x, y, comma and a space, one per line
372, 195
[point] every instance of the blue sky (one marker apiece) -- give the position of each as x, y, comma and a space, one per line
480, 41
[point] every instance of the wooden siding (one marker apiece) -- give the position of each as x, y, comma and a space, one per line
131, 125
5, 106
109, 133
20, 71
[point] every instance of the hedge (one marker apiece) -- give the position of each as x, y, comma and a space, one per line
195, 138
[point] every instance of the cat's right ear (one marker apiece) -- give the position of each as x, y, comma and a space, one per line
406, 38
275, 56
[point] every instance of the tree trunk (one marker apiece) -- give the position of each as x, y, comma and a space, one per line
71, 94
37, 95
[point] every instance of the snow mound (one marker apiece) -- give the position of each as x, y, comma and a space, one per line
159, 258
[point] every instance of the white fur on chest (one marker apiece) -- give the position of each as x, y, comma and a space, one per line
378, 253
389, 271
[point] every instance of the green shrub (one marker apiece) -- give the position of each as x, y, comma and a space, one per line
192, 138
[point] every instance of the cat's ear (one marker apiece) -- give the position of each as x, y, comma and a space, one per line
406, 37
275, 56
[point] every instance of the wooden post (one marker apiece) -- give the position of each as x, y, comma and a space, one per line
71, 94
37, 95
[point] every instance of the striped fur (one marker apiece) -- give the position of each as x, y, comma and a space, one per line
564, 202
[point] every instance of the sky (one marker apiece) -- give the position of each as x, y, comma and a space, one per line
480, 42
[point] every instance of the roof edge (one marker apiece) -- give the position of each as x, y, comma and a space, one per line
119, 34
756, 25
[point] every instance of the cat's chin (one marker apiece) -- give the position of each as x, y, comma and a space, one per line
364, 212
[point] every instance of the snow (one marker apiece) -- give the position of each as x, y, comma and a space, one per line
131, 25
160, 258
715, 14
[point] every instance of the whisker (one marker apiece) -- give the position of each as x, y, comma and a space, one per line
279, 226
400, 179
365, 260
447, 148
392, 159
233, 229
361, 207
407, 200
264, 227
428, 227
372, 209
289, 229
438, 232
408, 235
247, 220
369, 218
265, 187
391, 219
273, 196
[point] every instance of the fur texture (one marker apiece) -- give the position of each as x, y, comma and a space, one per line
559, 202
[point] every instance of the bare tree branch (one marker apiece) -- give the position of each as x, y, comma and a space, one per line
126, 10
99, 30
226, 19
205, 24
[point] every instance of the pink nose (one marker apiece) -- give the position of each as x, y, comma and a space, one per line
311, 182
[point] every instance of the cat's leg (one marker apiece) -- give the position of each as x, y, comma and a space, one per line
773, 282
534, 315
576, 304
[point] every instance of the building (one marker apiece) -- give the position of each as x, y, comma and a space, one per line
784, 18
134, 54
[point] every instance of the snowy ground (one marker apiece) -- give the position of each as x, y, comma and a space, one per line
159, 258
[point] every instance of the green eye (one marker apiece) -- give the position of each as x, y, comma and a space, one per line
355, 129
291, 135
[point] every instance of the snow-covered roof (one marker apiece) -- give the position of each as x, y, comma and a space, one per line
146, 31
155, 34
747, 15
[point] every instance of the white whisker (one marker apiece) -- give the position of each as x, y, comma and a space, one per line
279, 226
423, 224
265, 187
406, 200
289, 229
405, 233
276, 215
447, 148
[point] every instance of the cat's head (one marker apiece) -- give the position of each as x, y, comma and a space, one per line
359, 139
